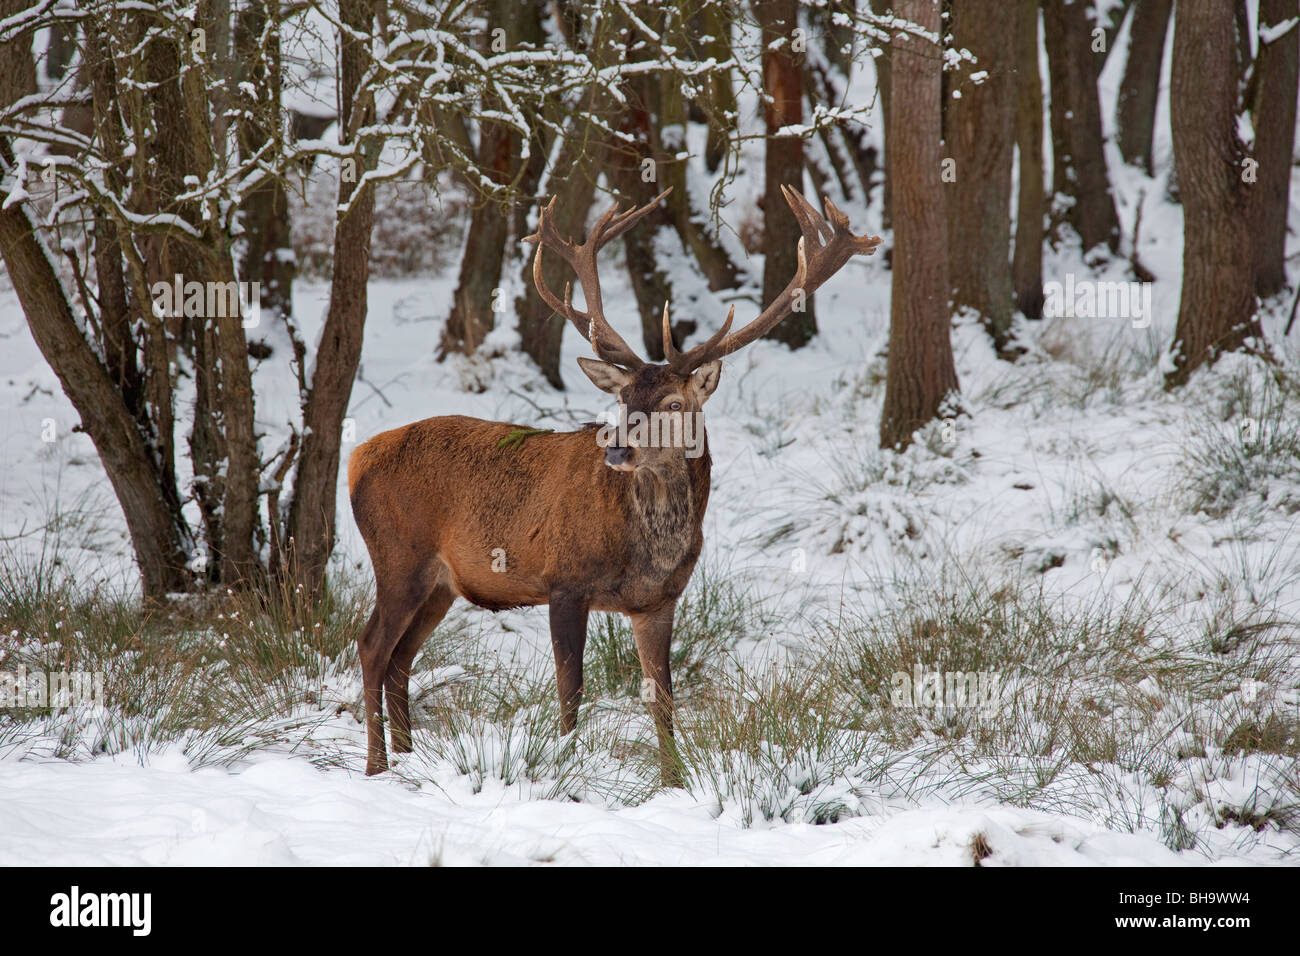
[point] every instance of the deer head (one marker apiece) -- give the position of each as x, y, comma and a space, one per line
669, 397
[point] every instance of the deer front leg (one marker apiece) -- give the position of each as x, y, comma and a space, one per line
653, 632
568, 640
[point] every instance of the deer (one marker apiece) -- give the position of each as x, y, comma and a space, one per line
454, 506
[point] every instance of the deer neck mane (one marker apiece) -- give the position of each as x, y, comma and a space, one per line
669, 506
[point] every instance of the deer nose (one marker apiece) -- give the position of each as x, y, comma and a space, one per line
616, 455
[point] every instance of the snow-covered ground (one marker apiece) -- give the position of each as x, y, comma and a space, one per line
1084, 486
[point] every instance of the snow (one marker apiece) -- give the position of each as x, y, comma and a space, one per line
285, 812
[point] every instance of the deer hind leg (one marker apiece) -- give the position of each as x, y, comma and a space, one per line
568, 640
394, 609
398, 677
653, 633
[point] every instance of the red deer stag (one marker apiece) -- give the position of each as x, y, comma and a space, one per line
459, 507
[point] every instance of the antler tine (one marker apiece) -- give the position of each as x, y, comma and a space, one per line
670, 348
811, 224
833, 213
687, 362
625, 221
564, 308
823, 249
607, 344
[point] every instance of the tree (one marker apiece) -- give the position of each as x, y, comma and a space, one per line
884, 86
541, 330
1107, 21
980, 141
783, 160
716, 18
1027, 263
632, 172
1079, 179
1135, 111
827, 79
921, 374
268, 252
1273, 115
312, 513
476, 298
1216, 311
668, 141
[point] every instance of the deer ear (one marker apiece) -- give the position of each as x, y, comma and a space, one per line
705, 379
606, 377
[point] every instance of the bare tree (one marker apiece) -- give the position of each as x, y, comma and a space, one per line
783, 160
1273, 112
312, 513
884, 87
1217, 309
476, 298
981, 141
1027, 263
717, 17
1135, 111
1079, 179
921, 373
541, 329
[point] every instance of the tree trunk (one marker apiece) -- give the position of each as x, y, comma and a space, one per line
1274, 114
981, 132
1135, 113
268, 253
156, 535
921, 373
315, 490
668, 140
173, 135
154, 522
717, 17
1079, 175
650, 284
1216, 312
540, 329
783, 163
1027, 263
884, 87
1110, 26
472, 316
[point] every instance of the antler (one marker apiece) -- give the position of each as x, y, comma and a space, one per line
823, 251
607, 344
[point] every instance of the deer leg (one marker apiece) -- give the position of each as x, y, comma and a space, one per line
393, 612
568, 639
397, 679
653, 633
